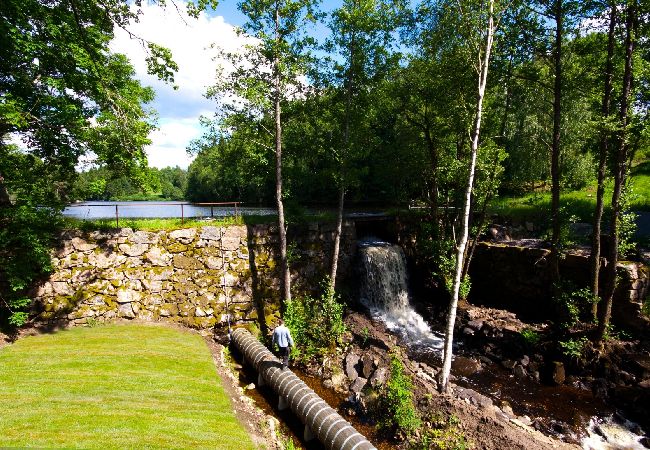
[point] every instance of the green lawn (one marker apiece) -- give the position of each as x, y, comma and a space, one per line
115, 386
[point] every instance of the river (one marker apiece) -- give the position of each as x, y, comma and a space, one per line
144, 209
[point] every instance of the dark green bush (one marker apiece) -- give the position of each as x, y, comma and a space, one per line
316, 324
396, 409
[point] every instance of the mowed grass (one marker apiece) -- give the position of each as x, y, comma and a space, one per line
115, 386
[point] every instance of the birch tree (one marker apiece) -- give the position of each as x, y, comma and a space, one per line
603, 151
261, 79
482, 66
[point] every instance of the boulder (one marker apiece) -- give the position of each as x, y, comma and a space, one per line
366, 366
127, 296
184, 236
520, 372
508, 364
558, 375
82, 246
144, 237
379, 377
474, 398
351, 363
214, 262
210, 233
184, 262
125, 310
133, 250
358, 384
157, 258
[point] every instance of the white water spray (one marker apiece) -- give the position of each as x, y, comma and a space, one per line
609, 434
384, 291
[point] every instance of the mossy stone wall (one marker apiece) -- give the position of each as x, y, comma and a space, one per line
193, 276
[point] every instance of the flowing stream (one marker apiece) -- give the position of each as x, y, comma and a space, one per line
384, 291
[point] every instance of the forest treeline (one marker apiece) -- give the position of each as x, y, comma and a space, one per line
446, 103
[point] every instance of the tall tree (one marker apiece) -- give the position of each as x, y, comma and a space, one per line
361, 31
620, 167
482, 66
266, 76
63, 95
603, 151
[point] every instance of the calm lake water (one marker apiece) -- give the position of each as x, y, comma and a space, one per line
106, 210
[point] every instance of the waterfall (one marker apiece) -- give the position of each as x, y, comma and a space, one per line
384, 291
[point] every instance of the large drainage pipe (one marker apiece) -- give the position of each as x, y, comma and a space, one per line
321, 421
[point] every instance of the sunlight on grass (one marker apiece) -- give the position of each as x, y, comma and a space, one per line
164, 224
115, 386
580, 204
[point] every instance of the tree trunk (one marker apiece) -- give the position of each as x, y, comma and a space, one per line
555, 149
433, 154
285, 282
602, 162
337, 238
451, 315
605, 311
345, 152
5, 199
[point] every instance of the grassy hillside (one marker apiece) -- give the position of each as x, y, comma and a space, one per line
580, 204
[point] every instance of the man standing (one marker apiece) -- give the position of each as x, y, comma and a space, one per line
282, 337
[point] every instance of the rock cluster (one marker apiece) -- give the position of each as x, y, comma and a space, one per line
196, 276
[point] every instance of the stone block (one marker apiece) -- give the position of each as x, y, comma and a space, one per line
210, 233
184, 236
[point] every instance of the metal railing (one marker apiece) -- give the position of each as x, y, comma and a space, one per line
182, 205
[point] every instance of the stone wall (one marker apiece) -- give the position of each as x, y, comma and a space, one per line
193, 276
517, 278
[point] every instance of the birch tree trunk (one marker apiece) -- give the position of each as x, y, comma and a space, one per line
602, 162
451, 316
285, 282
344, 156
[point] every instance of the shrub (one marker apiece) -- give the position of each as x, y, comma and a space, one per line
530, 336
396, 409
316, 324
26, 234
574, 348
441, 433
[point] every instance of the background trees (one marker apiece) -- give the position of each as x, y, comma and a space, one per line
63, 96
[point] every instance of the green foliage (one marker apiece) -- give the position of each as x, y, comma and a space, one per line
397, 412
574, 348
575, 305
626, 224
365, 336
316, 324
440, 432
26, 236
530, 336
645, 308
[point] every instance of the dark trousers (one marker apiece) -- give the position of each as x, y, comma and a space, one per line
284, 354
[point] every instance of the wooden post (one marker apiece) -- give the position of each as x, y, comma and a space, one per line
117, 218
211, 211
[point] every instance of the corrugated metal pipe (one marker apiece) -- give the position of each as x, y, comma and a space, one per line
321, 421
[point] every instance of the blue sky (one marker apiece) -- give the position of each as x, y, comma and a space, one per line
190, 41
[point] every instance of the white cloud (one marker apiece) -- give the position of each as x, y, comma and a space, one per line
170, 141
190, 42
